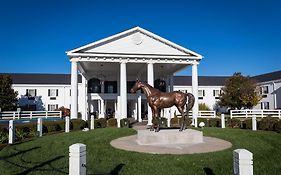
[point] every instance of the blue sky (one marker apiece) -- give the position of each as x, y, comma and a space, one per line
232, 35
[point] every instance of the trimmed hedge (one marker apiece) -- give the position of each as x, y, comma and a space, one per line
125, 122
175, 122
112, 122
278, 126
233, 123
267, 123
78, 124
4, 135
101, 123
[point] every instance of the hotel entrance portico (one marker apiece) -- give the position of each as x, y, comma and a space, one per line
110, 66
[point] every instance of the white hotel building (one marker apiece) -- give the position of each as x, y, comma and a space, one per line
100, 69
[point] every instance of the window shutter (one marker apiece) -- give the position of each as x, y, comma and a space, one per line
49, 92
203, 93
35, 92
214, 93
57, 93
26, 92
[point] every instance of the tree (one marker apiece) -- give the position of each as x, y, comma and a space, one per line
239, 92
8, 97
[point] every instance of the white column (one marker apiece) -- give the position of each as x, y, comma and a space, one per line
150, 81
11, 132
254, 122
77, 159
83, 99
139, 108
123, 89
171, 82
195, 92
101, 108
242, 162
67, 124
222, 121
39, 127
74, 90
118, 111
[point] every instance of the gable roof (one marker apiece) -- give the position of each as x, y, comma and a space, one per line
33, 78
268, 76
107, 45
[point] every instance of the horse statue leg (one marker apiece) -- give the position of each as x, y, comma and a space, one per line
183, 123
157, 117
153, 118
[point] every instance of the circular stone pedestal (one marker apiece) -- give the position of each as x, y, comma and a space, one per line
170, 142
171, 136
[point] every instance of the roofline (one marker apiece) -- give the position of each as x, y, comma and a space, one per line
144, 32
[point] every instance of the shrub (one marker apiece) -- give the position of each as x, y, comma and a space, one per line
112, 122
204, 107
101, 123
51, 126
28, 128
163, 122
233, 123
278, 126
125, 122
78, 124
175, 122
247, 124
4, 136
21, 134
214, 122
267, 123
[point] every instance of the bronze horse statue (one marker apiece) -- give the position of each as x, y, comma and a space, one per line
158, 100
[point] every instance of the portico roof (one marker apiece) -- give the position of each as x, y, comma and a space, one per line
132, 46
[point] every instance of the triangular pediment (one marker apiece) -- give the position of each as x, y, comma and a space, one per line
135, 41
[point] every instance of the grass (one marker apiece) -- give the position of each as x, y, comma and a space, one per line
49, 154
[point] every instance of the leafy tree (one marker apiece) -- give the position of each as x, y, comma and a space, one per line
8, 97
239, 92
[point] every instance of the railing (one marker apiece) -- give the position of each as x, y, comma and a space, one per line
205, 114
29, 114
259, 113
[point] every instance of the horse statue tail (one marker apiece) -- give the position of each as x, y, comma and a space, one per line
190, 102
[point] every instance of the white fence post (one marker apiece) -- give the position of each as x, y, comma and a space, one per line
77, 159
46, 114
14, 115
11, 132
92, 122
169, 118
231, 114
242, 162
254, 122
67, 124
39, 127
222, 121
30, 115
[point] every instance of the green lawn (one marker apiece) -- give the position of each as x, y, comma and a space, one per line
49, 154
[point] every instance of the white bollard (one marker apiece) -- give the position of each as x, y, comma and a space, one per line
92, 122
254, 122
39, 127
222, 121
242, 162
118, 122
77, 159
67, 124
169, 121
11, 132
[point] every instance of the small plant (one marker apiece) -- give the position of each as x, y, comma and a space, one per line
112, 122
214, 122
3, 137
204, 107
175, 122
267, 123
277, 126
233, 123
125, 122
247, 124
101, 123
21, 134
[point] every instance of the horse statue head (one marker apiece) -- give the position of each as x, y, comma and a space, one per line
138, 85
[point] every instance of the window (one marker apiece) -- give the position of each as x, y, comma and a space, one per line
264, 90
31, 92
53, 92
52, 107
216, 94
201, 94
264, 105
110, 87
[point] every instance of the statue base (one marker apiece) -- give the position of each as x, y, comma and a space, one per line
169, 137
